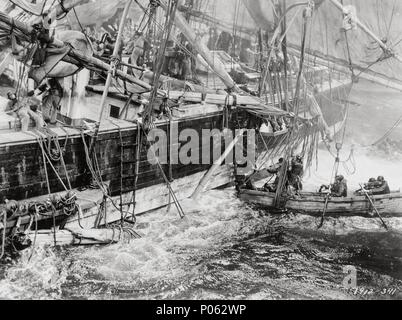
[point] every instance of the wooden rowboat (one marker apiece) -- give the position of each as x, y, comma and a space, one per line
313, 203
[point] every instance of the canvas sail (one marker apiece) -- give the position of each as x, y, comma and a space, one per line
327, 35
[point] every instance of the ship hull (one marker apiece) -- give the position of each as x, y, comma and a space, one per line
23, 176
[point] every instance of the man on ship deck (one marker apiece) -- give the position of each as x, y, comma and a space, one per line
52, 93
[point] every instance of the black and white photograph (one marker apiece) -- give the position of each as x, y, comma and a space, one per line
225, 151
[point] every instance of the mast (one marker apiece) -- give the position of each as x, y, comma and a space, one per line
296, 106
260, 61
371, 34
113, 65
285, 54
221, 25
170, 14
215, 65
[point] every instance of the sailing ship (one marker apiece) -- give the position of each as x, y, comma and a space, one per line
109, 106
324, 204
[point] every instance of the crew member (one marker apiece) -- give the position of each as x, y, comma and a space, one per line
295, 173
367, 186
52, 95
135, 48
244, 182
213, 38
370, 184
339, 187
43, 38
274, 170
380, 187
22, 109
224, 42
325, 189
183, 65
12, 101
187, 62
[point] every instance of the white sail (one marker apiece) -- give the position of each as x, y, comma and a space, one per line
328, 37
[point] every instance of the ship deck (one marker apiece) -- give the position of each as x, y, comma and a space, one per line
11, 135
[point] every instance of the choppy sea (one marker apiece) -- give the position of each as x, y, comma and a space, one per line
225, 249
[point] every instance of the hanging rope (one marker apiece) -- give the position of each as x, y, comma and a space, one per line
293, 130
171, 191
269, 154
3, 240
36, 232
170, 15
83, 31
97, 177
44, 156
48, 155
349, 57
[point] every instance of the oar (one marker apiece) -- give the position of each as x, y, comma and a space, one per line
325, 209
372, 204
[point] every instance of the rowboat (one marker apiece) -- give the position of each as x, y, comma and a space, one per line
388, 205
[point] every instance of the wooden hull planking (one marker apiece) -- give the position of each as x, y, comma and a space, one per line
313, 204
22, 175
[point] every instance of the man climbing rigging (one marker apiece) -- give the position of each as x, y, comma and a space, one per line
52, 94
42, 38
136, 48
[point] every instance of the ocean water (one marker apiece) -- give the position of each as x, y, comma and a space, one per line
225, 249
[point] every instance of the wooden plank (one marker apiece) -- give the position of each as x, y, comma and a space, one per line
390, 204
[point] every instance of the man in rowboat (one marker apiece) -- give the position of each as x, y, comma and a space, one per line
367, 186
295, 173
380, 187
274, 170
339, 188
375, 187
371, 184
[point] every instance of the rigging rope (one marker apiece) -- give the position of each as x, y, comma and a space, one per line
170, 15
290, 144
83, 31
387, 133
36, 232
171, 191
96, 175
3, 240
48, 187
